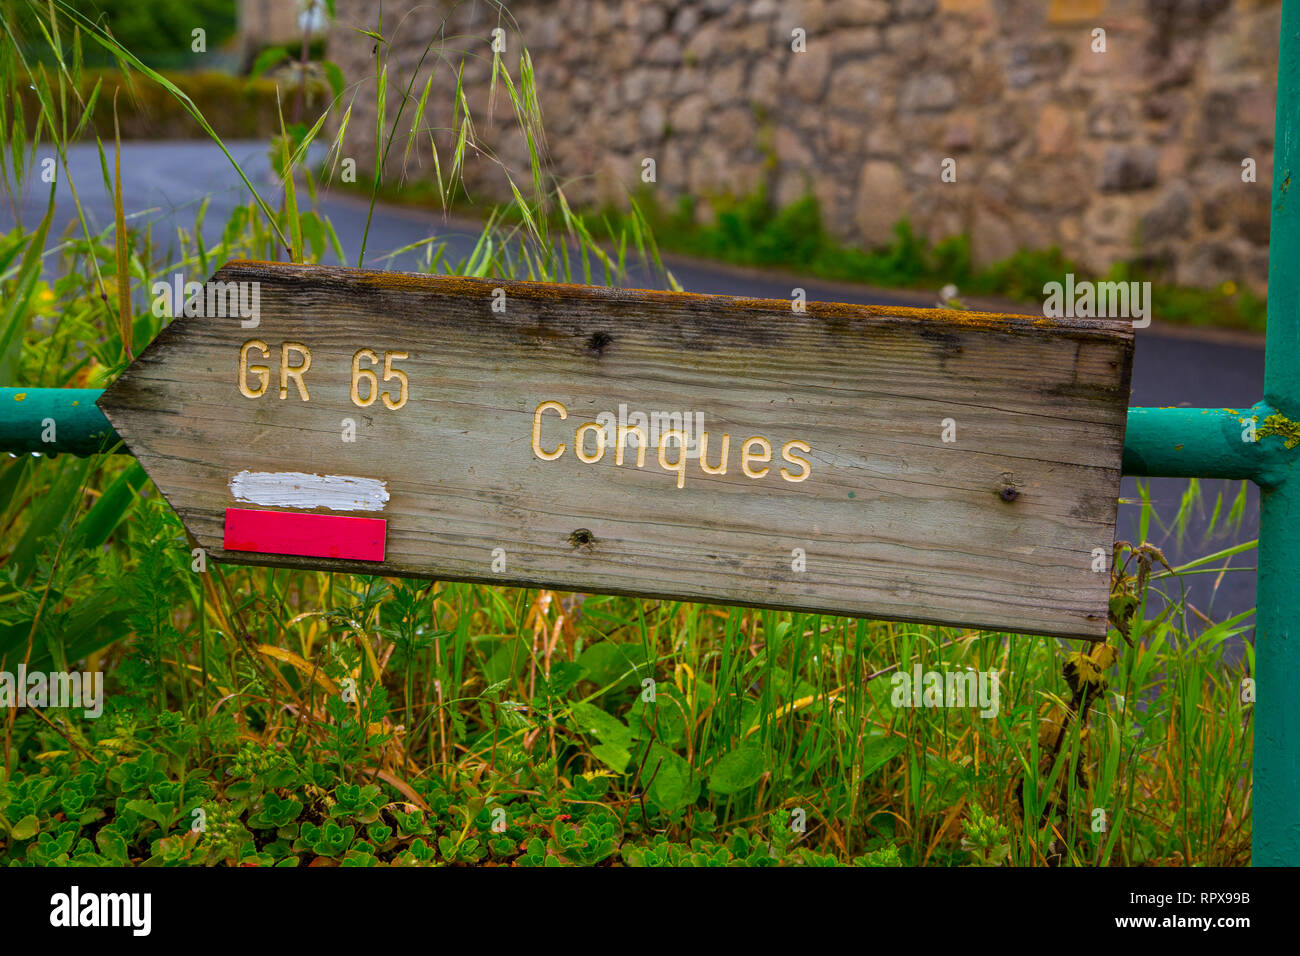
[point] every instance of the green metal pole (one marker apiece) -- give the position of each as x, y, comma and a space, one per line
52, 421
1204, 443
1276, 795
1166, 442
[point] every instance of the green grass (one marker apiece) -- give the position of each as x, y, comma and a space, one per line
239, 108
750, 231
273, 717
160, 32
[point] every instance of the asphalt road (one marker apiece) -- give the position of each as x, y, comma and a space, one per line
165, 183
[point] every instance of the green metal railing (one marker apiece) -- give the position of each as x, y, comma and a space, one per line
30, 417
1160, 442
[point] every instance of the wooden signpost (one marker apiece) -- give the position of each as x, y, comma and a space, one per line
925, 465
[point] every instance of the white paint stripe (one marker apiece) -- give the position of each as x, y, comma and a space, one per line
293, 489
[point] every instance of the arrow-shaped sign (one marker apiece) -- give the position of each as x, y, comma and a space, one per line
925, 465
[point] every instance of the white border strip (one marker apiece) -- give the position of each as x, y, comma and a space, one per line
294, 489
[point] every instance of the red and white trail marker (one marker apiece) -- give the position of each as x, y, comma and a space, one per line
306, 535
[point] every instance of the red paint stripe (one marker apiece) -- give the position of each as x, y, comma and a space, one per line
305, 535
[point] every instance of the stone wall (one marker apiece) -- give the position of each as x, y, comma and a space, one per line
1134, 153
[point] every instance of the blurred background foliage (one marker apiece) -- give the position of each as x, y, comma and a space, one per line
159, 32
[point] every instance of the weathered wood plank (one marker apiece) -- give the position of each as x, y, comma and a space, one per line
995, 529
